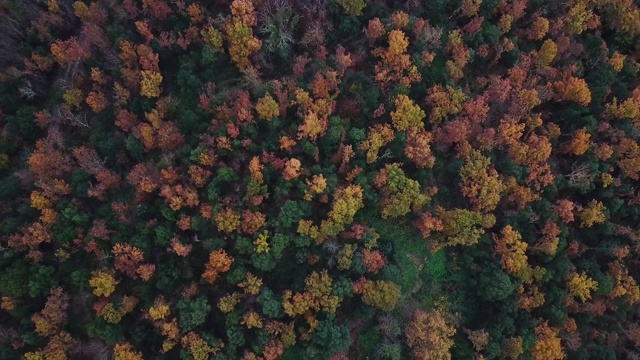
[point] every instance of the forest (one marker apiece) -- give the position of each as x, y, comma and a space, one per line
319, 179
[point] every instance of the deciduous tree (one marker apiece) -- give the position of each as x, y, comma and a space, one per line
430, 336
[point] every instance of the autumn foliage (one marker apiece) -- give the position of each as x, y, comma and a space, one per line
348, 179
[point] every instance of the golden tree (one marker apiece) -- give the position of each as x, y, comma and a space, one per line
242, 43
592, 214
400, 194
317, 296
407, 114
267, 107
103, 283
150, 83
227, 220
573, 89
481, 182
580, 286
379, 293
512, 251
124, 351
395, 64
346, 203
547, 346
379, 136
430, 336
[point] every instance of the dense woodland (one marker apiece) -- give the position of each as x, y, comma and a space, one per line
321, 179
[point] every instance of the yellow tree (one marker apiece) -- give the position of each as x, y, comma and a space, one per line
227, 220
580, 286
150, 83
461, 227
312, 127
400, 194
573, 89
379, 136
407, 114
430, 336
592, 214
547, 53
242, 43
103, 283
481, 182
579, 143
379, 293
547, 345
124, 351
346, 203
317, 296
512, 251
352, 7
267, 107
395, 64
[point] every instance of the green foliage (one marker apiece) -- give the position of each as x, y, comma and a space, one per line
192, 312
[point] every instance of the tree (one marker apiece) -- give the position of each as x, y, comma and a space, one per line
317, 296
395, 64
352, 7
417, 148
312, 127
512, 251
372, 260
580, 286
592, 214
192, 312
292, 169
124, 351
469, 8
379, 136
538, 28
127, 258
512, 348
460, 227
53, 317
579, 144
548, 243
481, 182
346, 203
69, 51
374, 30
227, 220
96, 101
547, 53
219, 262
573, 89
547, 345
430, 336
407, 115
400, 194
378, 293
267, 107
252, 221
444, 102
317, 185
103, 283
242, 43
